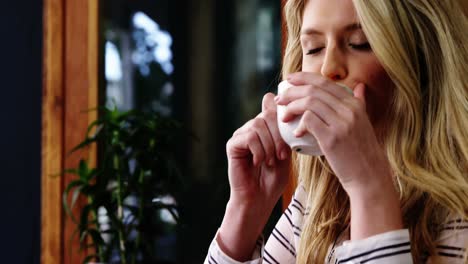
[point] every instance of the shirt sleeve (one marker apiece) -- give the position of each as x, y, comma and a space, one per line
281, 245
451, 246
386, 248
217, 256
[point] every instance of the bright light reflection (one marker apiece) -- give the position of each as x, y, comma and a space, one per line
113, 63
154, 45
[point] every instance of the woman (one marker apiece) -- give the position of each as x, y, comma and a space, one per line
392, 186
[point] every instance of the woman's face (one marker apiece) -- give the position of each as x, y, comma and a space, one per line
334, 45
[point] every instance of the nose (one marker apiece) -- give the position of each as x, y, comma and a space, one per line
333, 66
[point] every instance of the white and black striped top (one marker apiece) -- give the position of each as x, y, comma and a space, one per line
387, 248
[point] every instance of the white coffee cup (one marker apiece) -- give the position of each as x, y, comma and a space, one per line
306, 144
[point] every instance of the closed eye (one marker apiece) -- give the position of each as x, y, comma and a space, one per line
362, 47
313, 51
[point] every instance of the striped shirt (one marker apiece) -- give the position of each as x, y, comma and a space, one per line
387, 248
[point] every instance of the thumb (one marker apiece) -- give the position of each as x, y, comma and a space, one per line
360, 92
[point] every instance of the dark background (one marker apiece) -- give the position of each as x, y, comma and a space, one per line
20, 133
218, 87
20, 119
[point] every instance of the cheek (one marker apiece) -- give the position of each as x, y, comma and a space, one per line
379, 92
310, 66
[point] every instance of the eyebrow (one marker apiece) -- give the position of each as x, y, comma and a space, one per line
312, 31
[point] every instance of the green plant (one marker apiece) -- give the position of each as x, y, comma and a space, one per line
137, 165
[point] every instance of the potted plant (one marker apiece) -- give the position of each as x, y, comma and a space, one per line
130, 196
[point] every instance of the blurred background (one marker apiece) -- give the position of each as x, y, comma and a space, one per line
206, 63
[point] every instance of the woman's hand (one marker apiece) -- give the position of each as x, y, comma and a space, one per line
258, 168
258, 159
339, 122
342, 128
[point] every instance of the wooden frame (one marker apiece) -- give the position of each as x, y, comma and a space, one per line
52, 132
70, 87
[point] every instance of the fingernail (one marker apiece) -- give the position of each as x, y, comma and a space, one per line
277, 98
289, 77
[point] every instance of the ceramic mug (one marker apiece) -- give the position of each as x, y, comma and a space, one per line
306, 144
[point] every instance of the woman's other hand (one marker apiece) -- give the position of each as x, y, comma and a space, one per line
258, 159
258, 169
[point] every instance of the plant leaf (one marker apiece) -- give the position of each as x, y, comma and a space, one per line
84, 143
71, 185
76, 193
84, 216
83, 170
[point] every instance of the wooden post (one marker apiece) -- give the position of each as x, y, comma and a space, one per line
70, 89
81, 95
52, 133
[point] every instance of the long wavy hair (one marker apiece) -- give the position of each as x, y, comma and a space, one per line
425, 53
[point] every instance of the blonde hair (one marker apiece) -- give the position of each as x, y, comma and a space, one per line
425, 53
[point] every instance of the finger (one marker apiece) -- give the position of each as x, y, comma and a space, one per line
323, 110
246, 144
261, 128
246, 127
304, 78
360, 92
299, 105
243, 128
268, 102
354, 106
311, 123
295, 93
281, 148
307, 90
